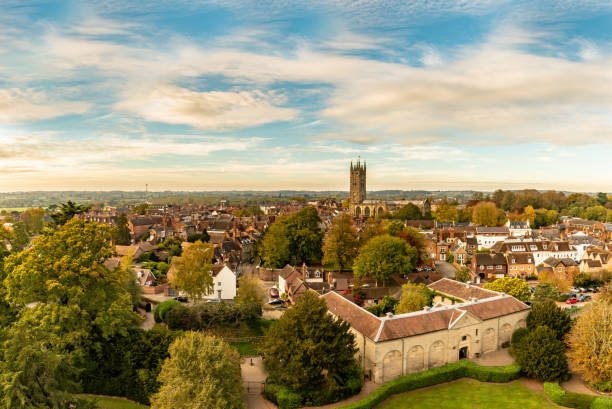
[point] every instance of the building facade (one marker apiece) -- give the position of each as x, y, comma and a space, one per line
358, 205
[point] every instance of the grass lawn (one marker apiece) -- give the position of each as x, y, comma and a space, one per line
470, 394
245, 348
114, 403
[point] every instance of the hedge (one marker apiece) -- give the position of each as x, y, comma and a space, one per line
162, 309
450, 372
575, 400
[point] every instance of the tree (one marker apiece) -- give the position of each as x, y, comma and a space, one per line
193, 274
340, 248
561, 282
547, 314
541, 355
602, 198
544, 292
67, 211
408, 212
121, 233
64, 273
387, 304
529, 214
249, 291
463, 274
598, 213
485, 214
515, 287
34, 220
416, 239
201, 372
373, 227
274, 248
446, 212
20, 237
590, 344
552, 216
394, 227
414, 298
309, 349
129, 280
384, 256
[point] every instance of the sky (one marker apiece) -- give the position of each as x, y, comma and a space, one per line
269, 95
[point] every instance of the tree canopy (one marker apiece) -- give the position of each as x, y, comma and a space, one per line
193, 274
340, 248
67, 211
121, 232
384, 256
309, 349
515, 287
547, 314
414, 297
541, 355
408, 212
201, 372
485, 214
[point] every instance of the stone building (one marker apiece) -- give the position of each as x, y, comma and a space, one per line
359, 206
453, 329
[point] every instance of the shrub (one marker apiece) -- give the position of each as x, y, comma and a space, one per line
554, 391
162, 309
541, 355
575, 400
288, 399
549, 315
519, 334
602, 403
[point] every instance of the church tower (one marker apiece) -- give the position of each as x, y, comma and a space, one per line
358, 183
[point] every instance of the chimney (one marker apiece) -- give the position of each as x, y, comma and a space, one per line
473, 299
467, 284
427, 308
389, 315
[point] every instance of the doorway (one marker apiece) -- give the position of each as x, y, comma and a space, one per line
463, 353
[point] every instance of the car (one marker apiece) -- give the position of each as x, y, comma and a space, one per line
532, 289
181, 298
276, 301
274, 292
584, 298
572, 300
582, 290
214, 300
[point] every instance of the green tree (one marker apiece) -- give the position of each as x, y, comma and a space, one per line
394, 227
598, 213
414, 298
552, 216
121, 233
541, 355
64, 273
249, 291
67, 211
129, 280
201, 372
309, 349
384, 256
515, 287
547, 314
34, 220
463, 274
602, 198
415, 239
340, 248
446, 212
193, 274
545, 291
387, 304
373, 227
485, 214
274, 247
408, 212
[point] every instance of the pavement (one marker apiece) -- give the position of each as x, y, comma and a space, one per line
149, 321
253, 376
500, 357
447, 269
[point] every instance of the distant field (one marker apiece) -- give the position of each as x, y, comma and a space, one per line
470, 394
114, 403
14, 209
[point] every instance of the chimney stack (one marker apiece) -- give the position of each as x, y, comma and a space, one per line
467, 284
389, 315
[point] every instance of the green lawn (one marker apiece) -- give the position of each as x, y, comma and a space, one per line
114, 403
245, 348
470, 394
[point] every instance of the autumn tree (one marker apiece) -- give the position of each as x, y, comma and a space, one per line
384, 256
20, 237
414, 297
590, 345
249, 291
561, 282
446, 212
415, 239
463, 274
485, 214
340, 248
547, 314
193, 274
394, 227
373, 227
34, 220
408, 212
545, 291
515, 287
201, 372
310, 349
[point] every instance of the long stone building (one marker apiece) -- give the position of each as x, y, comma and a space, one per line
465, 322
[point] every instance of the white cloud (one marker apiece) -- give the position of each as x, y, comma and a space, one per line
215, 110
21, 105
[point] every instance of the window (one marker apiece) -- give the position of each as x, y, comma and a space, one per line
219, 283
560, 269
464, 338
482, 267
499, 266
534, 247
476, 332
317, 274
489, 267
528, 267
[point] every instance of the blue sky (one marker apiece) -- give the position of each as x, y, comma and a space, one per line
228, 95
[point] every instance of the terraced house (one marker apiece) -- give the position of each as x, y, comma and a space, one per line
480, 321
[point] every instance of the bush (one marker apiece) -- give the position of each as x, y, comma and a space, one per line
541, 355
211, 315
287, 399
162, 309
549, 315
436, 376
575, 400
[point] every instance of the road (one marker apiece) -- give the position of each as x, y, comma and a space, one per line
447, 270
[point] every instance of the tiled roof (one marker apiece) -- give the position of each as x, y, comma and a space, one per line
460, 290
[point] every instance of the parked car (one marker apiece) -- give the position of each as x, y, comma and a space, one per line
181, 298
584, 298
274, 292
214, 300
572, 300
276, 301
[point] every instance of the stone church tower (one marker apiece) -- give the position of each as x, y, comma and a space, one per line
358, 183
